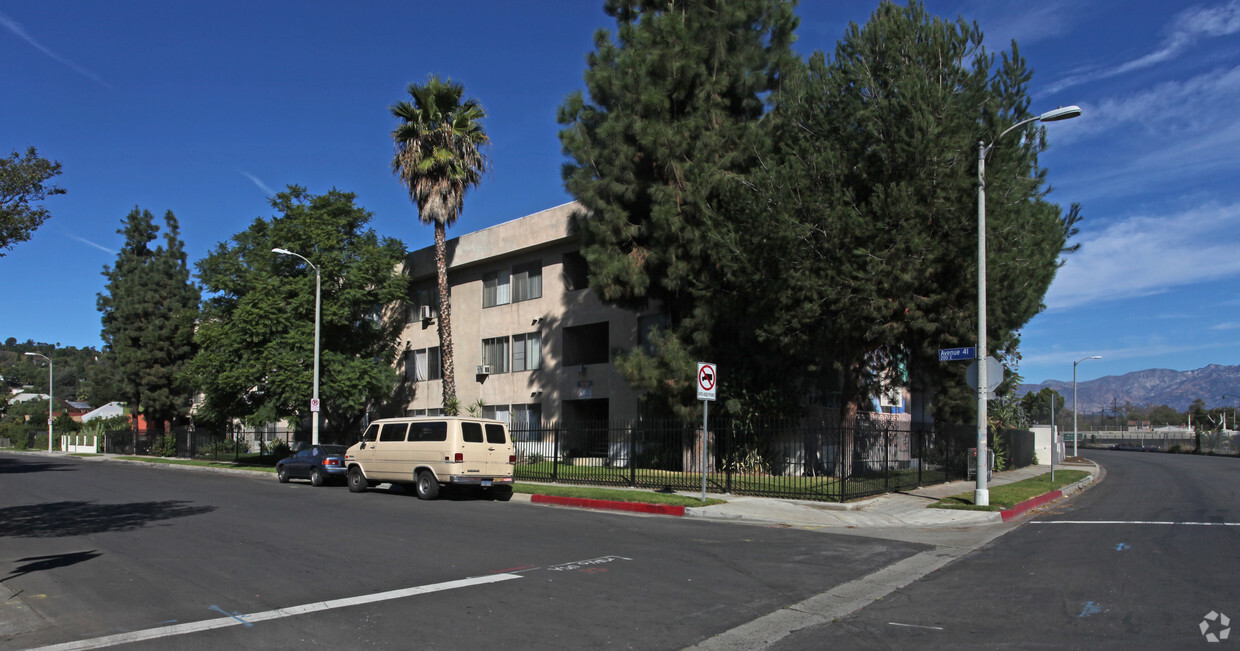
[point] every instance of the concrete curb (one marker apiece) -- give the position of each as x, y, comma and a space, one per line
1042, 500
609, 505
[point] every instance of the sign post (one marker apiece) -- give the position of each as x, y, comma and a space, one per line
707, 383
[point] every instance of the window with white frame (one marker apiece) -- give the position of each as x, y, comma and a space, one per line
495, 354
423, 297
527, 352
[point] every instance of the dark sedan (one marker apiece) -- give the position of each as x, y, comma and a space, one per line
318, 463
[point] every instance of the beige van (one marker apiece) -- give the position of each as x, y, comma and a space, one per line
432, 451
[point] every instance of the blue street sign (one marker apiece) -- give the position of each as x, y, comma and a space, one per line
957, 354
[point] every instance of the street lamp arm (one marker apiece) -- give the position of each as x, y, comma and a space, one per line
1063, 113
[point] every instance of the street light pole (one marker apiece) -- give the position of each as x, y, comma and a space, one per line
50, 396
314, 408
981, 496
1075, 408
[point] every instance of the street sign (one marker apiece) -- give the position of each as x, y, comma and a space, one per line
707, 381
314, 404
994, 375
957, 354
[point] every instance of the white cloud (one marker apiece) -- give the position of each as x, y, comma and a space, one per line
1229, 325
1064, 358
1185, 29
88, 242
259, 182
1146, 255
20, 32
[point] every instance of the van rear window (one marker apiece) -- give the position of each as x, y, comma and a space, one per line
471, 432
495, 434
436, 431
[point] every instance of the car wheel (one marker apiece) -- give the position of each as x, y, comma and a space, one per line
317, 478
357, 481
282, 475
427, 487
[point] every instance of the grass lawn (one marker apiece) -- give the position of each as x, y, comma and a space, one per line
1008, 495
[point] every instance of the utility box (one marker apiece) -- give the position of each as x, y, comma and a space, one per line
972, 470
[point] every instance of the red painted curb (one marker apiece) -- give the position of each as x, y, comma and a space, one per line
1030, 504
581, 502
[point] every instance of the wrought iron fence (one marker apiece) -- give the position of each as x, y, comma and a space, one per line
813, 459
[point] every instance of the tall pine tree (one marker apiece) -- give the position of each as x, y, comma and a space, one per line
669, 131
149, 309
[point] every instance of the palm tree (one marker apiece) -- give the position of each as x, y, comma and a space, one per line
438, 158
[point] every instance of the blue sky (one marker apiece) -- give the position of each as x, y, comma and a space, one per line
207, 108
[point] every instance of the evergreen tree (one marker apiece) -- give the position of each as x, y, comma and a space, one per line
256, 335
670, 129
872, 198
149, 308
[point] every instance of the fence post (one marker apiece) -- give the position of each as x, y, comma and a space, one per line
555, 453
632, 455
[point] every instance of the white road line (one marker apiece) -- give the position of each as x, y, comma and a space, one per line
1156, 522
279, 613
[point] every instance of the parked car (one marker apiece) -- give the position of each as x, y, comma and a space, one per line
318, 463
429, 452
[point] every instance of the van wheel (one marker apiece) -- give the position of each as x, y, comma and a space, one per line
427, 488
502, 493
316, 477
357, 481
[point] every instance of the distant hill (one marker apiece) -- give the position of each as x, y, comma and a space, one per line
1155, 386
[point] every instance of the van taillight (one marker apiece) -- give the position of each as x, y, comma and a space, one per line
460, 457
512, 458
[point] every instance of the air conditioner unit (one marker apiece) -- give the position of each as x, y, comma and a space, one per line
484, 369
425, 312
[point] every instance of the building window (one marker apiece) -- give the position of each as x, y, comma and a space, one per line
527, 282
495, 354
646, 326
496, 288
576, 273
496, 412
423, 297
523, 283
586, 344
527, 352
424, 364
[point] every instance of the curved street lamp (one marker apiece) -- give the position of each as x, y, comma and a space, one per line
981, 496
50, 397
314, 403
1076, 435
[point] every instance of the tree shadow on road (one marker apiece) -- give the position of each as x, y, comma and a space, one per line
13, 466
60, 519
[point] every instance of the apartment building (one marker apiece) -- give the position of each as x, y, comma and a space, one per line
531, 341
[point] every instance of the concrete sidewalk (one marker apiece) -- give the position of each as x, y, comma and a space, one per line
893, 510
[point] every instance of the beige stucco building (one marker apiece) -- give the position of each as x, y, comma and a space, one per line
531, 340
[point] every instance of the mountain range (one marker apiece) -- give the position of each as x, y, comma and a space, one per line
1155, 386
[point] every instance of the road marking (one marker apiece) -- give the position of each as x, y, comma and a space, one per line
1121, 547
279, 613
933, 628
1155, 522
1089, 608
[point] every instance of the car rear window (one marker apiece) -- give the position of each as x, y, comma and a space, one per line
393, 431
471, 432
334, 450
495, 434
434, 431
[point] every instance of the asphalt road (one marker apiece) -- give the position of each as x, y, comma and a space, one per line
96, 554
1141, 560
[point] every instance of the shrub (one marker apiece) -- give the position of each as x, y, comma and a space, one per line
278, 449
165, 446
